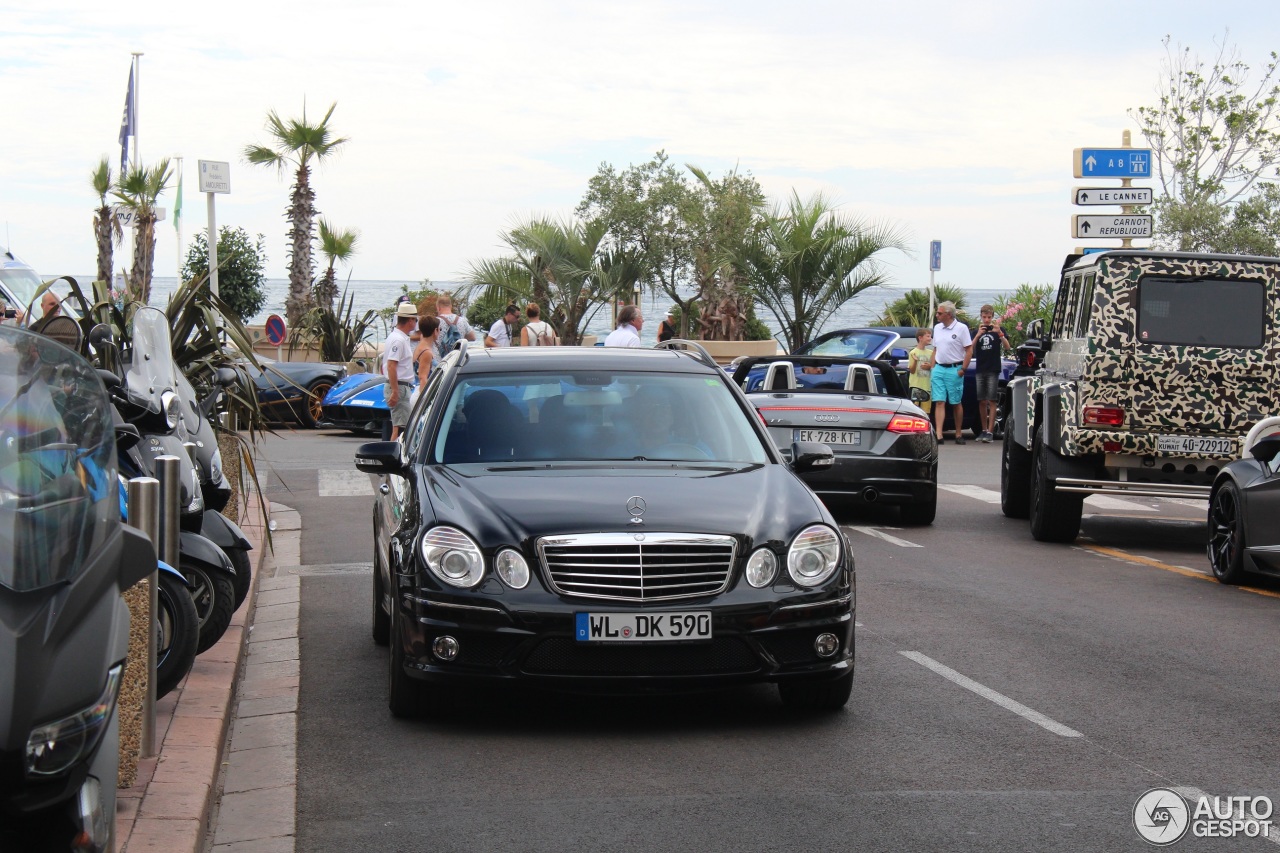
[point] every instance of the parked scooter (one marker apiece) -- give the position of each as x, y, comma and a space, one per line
147, 398
65, 557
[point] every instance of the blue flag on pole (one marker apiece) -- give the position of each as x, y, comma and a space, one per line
126, 126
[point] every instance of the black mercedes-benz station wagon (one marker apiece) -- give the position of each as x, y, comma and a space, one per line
602, 519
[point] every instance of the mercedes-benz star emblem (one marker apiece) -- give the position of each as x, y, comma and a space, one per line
636, 506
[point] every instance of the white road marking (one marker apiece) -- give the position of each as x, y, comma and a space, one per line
992, 496
878, 533
987, 693
1201, 505
344, 483
988, 495
1118, 504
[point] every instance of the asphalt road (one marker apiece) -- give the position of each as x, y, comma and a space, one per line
1010, 695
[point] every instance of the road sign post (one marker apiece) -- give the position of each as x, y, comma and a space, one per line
1125, 163
935, 264
215, 177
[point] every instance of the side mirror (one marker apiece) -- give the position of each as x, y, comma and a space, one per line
380, 457
225, 377
1266, 449
101, 336
1035, 329
810, 455
362, 364
127, 436
897, 354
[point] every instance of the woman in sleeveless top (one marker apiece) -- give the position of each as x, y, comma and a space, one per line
536, 332
424, 354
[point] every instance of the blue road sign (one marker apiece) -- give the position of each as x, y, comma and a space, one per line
935, 256
1113, 162
275, 330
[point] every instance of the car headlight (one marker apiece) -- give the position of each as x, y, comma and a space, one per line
54, 748
172, 410
453, 557
761, 567
512, 568
814, 555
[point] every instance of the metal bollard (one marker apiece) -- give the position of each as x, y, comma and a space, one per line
169, 473
144, 514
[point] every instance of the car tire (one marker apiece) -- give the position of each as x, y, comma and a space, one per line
1226, 534
177, 632
1015, 478
919, 513
1055, 515
214, 594
312, 409
811, 696
381, 621
406, 697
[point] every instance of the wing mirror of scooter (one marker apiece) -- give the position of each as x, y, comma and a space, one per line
225, 377
127, 436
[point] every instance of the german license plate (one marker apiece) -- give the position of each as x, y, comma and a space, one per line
847, 437
641, 627
1194, 444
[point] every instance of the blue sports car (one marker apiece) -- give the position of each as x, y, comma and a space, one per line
894, 344
357, 403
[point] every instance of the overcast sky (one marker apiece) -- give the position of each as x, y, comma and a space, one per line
952, 121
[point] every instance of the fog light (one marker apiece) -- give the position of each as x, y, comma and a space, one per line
826, 645
445, 648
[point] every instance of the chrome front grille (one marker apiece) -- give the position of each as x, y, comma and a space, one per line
621, 567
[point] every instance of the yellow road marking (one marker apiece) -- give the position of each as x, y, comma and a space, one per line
1177, 570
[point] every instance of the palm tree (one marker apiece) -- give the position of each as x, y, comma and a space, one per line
724, 217
106, 228
297, 143
807, 262
912, 307
138, 189
564, 267
336, 246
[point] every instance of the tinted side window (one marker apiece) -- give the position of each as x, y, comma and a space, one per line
419, 417
1086, 304
1060, 308
1201, 312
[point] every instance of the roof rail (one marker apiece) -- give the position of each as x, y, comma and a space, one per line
461, 346
682, 345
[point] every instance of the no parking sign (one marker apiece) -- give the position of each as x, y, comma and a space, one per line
275, 330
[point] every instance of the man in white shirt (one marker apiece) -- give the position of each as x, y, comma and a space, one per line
500, 332
628, 332
952, 349
398, 357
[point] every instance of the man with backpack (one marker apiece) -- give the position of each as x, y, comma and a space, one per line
453, 327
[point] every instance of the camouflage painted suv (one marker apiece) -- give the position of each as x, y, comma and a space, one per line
1154, 367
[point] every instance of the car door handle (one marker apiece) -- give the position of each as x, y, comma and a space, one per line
384, 489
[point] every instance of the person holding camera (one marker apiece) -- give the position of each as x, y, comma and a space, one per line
988, 347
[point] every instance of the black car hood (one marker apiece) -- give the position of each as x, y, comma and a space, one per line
513, 503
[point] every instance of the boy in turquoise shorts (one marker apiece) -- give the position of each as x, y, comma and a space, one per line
919, 363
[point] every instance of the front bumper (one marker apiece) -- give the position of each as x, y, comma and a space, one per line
502, 642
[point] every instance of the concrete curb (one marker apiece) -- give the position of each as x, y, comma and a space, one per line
170, 805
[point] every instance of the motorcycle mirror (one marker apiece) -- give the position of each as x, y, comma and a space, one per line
101, 335
226, 376
127, 436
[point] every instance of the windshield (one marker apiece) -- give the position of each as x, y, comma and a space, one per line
151, 369
21, 283
596, 416
856, 343
58, 487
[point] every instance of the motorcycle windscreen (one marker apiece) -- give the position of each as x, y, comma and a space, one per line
58, 483
151, 367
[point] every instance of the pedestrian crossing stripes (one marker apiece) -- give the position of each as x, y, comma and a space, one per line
992, 496
344, 483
